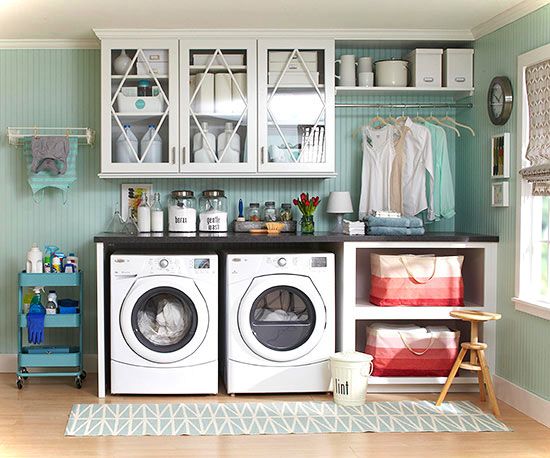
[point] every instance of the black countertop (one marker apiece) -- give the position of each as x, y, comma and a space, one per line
318, 237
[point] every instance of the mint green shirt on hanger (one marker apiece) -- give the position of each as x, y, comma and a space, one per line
444, 191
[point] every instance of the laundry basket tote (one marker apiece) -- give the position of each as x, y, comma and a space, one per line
350, 372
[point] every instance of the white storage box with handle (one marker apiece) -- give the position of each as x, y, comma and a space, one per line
458, 68
157, 59
131, 104
425, 67
350, 373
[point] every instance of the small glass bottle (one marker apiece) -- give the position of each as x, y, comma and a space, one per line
270, 212
285, 213
254, 212
157, 214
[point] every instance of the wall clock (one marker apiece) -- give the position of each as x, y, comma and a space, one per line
500, 100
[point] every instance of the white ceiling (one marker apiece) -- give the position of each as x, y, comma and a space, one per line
74, 19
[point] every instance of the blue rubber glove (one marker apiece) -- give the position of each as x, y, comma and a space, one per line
35, 327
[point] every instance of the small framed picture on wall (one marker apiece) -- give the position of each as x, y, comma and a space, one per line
130, 198
500, 156
500, 194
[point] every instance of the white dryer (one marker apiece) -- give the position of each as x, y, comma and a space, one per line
164, 324
279, 322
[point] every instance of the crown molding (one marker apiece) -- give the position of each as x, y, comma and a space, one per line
337, 34
50, 44
507, 17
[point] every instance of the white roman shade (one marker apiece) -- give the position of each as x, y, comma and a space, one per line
537, 81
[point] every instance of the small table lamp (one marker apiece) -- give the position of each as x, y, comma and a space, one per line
339, 203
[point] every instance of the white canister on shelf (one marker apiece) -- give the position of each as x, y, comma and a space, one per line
204, 100
182, 214
364, 65
237, 102
222, 91
391, 73
144, 215
232, 155
34, 260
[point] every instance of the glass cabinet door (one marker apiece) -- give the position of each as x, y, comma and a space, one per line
218, 109
140, 106
296, 106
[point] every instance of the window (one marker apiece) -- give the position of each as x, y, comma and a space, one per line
533, 223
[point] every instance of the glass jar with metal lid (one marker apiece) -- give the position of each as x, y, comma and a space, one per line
213, 211
270, 212
254, 212
182, 211
285, 213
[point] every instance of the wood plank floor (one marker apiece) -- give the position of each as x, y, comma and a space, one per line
32, 423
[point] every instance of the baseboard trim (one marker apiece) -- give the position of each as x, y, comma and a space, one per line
520, 399
8, 363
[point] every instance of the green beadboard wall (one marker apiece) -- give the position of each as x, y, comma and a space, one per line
62, 88
523, 340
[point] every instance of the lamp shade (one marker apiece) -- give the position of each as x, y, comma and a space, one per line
339, 202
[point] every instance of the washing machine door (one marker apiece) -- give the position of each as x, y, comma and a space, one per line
164, 318
282, 317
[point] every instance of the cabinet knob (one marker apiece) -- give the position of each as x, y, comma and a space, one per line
264, 158
172, 155
183, 155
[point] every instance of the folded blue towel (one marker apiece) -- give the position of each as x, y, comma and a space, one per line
382, 230
375, 221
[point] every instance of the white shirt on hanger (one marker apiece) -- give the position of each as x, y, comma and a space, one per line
418, 161
378, 155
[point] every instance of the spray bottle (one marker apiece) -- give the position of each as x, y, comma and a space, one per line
36, 301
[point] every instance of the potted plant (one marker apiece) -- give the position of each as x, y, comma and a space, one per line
307, 207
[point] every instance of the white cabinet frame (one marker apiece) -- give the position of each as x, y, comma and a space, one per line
217, 169
110, 168
267, 168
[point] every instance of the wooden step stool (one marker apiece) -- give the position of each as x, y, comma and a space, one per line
477, 362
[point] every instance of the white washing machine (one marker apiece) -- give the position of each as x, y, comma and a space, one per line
164, 324
279, 322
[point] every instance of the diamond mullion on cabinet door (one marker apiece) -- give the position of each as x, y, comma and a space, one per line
296, 107
205, 118
153, 112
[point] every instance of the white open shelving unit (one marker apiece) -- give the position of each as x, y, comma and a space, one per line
456, 94
355, 312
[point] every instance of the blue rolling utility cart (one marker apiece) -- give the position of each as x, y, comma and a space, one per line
50, 357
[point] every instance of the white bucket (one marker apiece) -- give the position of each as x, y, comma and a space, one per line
350, 373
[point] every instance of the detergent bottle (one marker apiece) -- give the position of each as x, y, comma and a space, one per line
36, 301
34, 260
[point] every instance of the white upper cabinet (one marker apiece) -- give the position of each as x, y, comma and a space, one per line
223, 107
218, 107
296, 107
139, 106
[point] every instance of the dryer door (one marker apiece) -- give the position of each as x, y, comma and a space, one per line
282, 317
164, 318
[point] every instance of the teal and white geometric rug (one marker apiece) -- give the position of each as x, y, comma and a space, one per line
216, 419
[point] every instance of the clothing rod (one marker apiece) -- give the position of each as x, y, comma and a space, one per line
404, 105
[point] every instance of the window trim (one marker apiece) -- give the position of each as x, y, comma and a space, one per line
522, 301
